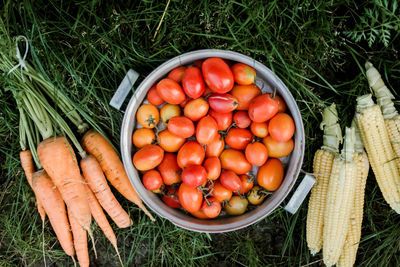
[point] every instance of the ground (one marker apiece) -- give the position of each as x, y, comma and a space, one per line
317, 48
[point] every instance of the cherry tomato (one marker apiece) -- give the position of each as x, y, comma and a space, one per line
169, 111
148, 157
177, 74
238, 138
281, 127
199, 214
169, 169
148, 116
152, 181
170, 142
270, 175
193, 83
217, 75
247, 183
215, 148
282, 105
222, 103
142, 137
220, 193
243, 74
234, 160
198, 63
259, 129
231, 181
262, 108
207, 92
244, 94
237, 205
181, 126
242, 119
278, 149
206, 130
191, 153
170, 198
224, 120
196, 109
190, 198
170, 91
153, 97
256, 195
256, 153
194, 175
211, 207
213, 168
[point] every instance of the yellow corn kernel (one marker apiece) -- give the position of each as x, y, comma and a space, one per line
393, 128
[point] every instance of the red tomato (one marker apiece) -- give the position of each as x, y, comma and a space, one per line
181, 126
270, 175
206, 130
256, 153
153, 97
217, 75
170, 142
177, 74
170, 91
243, 74
281, 127
169, 169
224, 120
215, 148
142, 137
282, 105
193, 83
213, 168
211, 207
196, 109
194, 175
278, 149
259, 129
247, 183
234, 160
148, 116
190, 198
199, 214
191, 153
170, 198
231, 181
152, 181
220, 193
262, 108
242, 119
238, 138
148, 157
222, 103
244, 94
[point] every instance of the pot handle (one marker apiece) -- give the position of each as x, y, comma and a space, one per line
300, 194
123, 89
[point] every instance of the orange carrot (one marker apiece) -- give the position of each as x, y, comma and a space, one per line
94, 175
80, 241
101, 149
100, 218
54, 206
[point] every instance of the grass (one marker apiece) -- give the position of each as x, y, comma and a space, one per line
86, 47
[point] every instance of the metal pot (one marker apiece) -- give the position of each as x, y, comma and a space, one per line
266, 80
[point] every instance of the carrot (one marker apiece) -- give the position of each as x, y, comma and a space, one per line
54, 206
101, 220
27, 164
94, 175
101, 149
80, 241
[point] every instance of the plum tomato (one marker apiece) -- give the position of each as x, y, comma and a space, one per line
256, 153
217, 75
152, 181
278, 149
177, 74
242, 119
193, 83
148, 116
243, 74
231, 181
238, 138
247, 183
244, 94
196, 109
194, 175
190, 198
237, 205
213, 168
169, 169
170, 197
220, 193
256, 195
191, 153
281, 127
181, 126
215, 148
199, 214
170, 142
153, 97
270, 175
222, 103
211, 207
206, 130
170, 91
235, 161
259, 129
262, 108
142, 137
282, 105
224, 120
148, 157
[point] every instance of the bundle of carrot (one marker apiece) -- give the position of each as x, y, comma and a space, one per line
67, 192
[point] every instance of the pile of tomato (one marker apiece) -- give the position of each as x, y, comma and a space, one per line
204, 128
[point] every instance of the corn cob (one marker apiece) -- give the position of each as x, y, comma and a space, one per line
380, 153
323, 160
349, 251
339, 201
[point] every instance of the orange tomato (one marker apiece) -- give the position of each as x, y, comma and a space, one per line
220, 193
170, 91
190, 198
191, 153
242, 119
177, 74
169, 169
281, 127
247, 183
256, 153
148, 157
206, 130
215, 148
262, 108
270, 175
181, 126
148, 116
244, 94
211, 207
282, 105
170, 142
278, 149
199, 214
142, 137
153, 97
169, 111
235, 161
238, 138
213, 168
152, 181
243, 74
259, 129
196, 109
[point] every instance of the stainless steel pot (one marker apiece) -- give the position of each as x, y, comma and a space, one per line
266, 80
